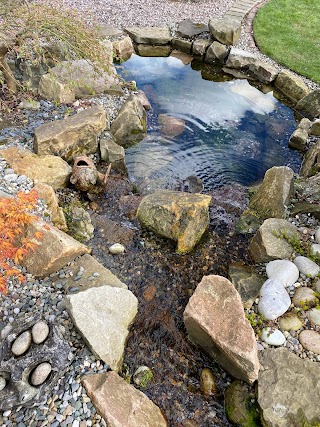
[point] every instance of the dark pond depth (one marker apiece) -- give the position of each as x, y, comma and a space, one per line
231, 131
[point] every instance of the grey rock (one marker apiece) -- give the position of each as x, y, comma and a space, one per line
3, 383
284, 271
274, 300
82, 228
188, 29
216, 52
287, 387
309, 105
273, 196
102, 316
298, 140
268, 243
182, 45
306, 266
112, 152
21, 343
240, 59
263, 72
40, 332
311, 161
273, 336
226, 30
122, 49
199, 47
315, 128
149, 35
292, 86
40, 374
315, 249
144, 100
29, 104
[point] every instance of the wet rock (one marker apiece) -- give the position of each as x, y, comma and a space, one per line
273, 336
53, 252
283, 271
240, 405
171, 126
309, 105
143, 376
263, 72
208, 384
267, 246
306, 266
40, 374
40, 332
298, 140
315, 128
176, 215
246, 281
71, 137
47, 193
240, 59
192, 184
22, 343
151, 50
113, 153
226, 30
182, 45
292, 86
117, 249
310, 340
274, 300
130, 124
149, 35
144, 100
188, 29
81, 226
47, 169
273, 196
120, 404
304, 297
2, 383
122, 49
103, 316
200, 47
311, 161
215, 321
314, 316
290, 321
287, 385
216, 52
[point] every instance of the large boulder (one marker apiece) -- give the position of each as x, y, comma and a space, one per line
240, 59
309, 105
72, 137
292, 86
149, 35
183, 217
269, 242
121, 404
273, 196
54, 250
311, 161
288, 389
46, 169
215, 321
226, 30
103, 316
130, 124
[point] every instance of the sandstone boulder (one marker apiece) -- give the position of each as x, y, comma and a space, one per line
72, 137
263, 72
179, 216
269, 242
50, 88
240, 59
46, 169
200, 47
182, 45
226, 30
273, 196
52, 252
120, 404
103, 316
292, 86
46, 192
150, 50
298, 139
215, 321
216, 52
309, 105
288, 388
113, 153
130, 125
122, 49
311, 161
149, 35
315, 128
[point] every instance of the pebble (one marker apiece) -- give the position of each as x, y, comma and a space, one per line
40, 374
310, 340
117, 248
208, 384
317, 235
274, 300
21, 343
284, 271
273, 336
306, 266
40, 332
315, 249
290, 322
314, 316
304, 296
2, 383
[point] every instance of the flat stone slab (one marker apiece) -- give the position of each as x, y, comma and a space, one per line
188, 29
121, 404
149, 35
103, 316
288, 387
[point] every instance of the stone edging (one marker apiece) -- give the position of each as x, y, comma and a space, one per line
241, 8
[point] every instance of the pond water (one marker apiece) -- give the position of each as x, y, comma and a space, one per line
228, 131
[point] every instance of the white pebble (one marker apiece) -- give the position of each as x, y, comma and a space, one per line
273, 336
117, 248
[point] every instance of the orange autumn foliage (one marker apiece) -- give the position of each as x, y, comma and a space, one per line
15, 214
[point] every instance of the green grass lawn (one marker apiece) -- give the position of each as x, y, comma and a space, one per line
289, 32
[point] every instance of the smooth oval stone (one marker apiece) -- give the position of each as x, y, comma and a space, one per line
40, 332
317, 235
304, 296
117, 248
21, 343
306, 266
283, 270
314, 316
274, 300
273, 336
290, 321
310, 341
2, 383
315, 249
207, 382
40, 374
